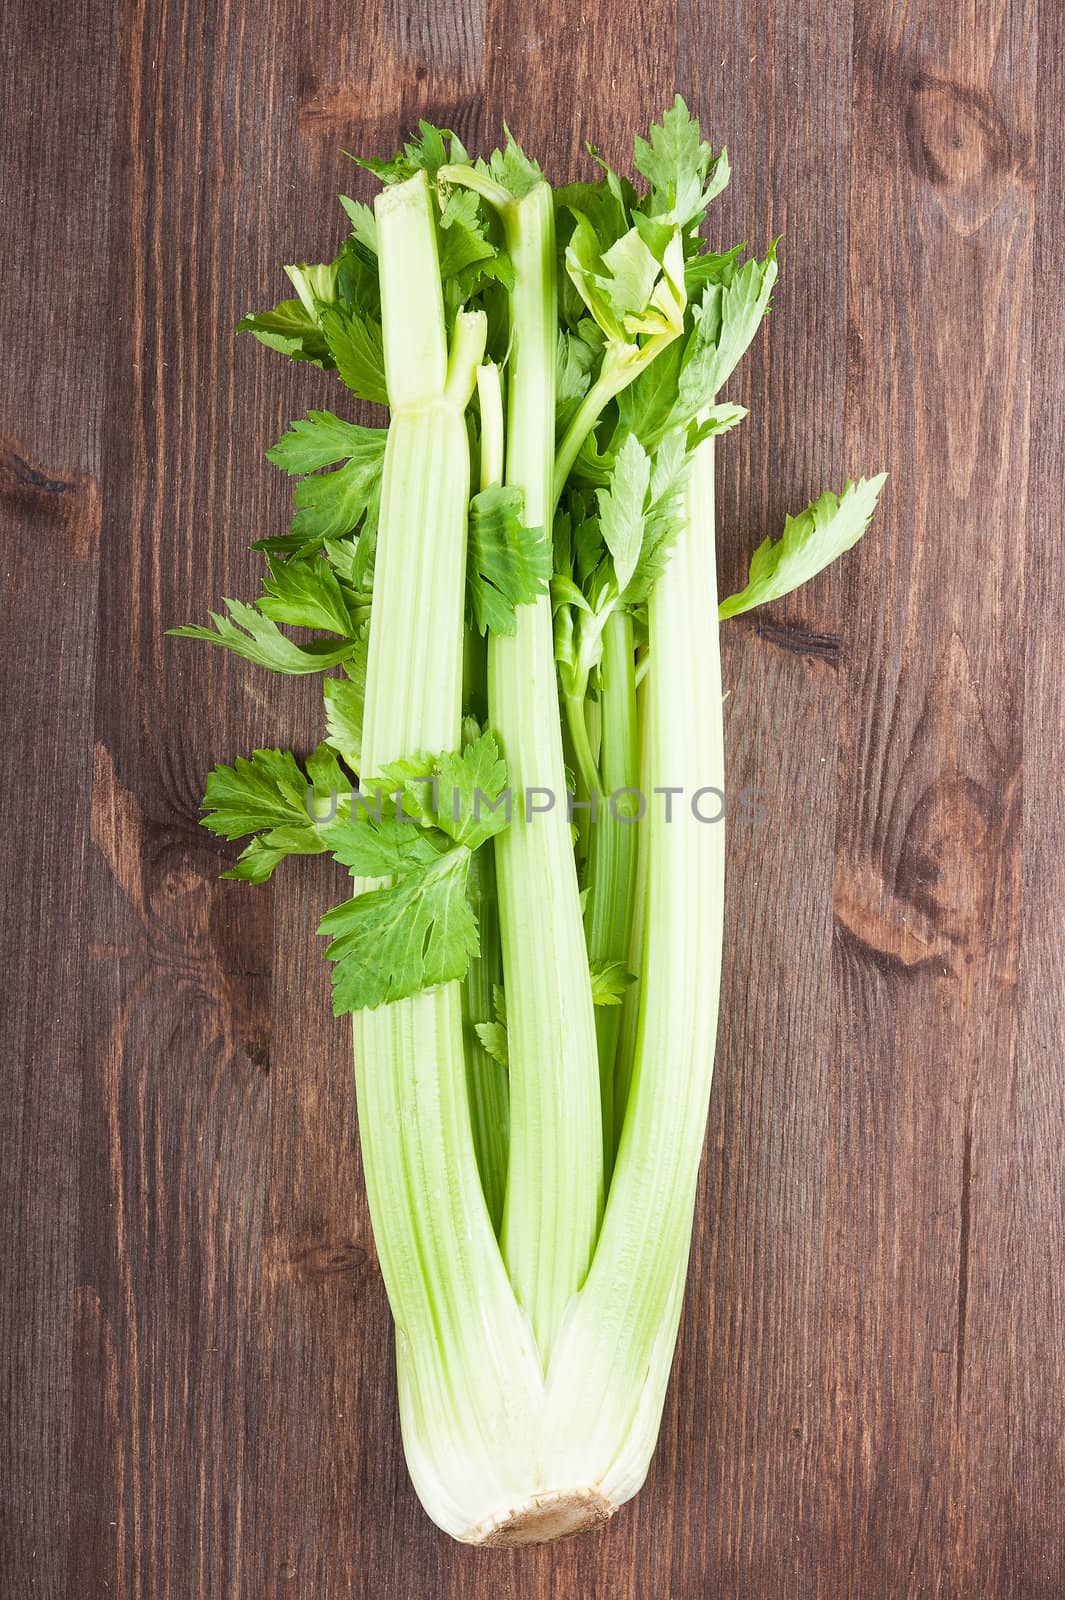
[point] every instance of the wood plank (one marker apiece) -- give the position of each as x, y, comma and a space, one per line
54, 169
918, 1248
236, 1308
740, 1399
1032, 1360
175, 1169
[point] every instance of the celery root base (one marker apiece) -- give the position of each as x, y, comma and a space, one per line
545, 1517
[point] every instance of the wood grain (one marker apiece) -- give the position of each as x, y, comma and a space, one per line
869, 1396
929, 838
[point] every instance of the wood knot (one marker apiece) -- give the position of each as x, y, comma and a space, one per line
178, 871
943, 896
322, 1260
959, 143
21, 476
947, 866
311, 1260
37, 495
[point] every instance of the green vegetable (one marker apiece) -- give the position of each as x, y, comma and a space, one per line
511, 594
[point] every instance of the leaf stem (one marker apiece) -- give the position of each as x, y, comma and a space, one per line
614, 844
469, 178
613, 378
588, 782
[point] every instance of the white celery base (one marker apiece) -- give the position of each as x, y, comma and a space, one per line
513, 1462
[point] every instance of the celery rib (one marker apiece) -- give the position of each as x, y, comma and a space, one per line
439, 1255
555, 1174
614, 1339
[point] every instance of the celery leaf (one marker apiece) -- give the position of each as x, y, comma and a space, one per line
363, 223
321, 439
372, 847
246, 632
454, 792
432, 149
621, 508
308, 594
809, 543
291, 329
493, 1037
331, 504
576, 355
344, 704
680, 166
396, 941
610, 979
664, 517
356, 346
470, 785
463, 240
508, 563
272, 796
726, 320
512, 169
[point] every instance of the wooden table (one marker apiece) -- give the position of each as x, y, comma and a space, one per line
869, 1395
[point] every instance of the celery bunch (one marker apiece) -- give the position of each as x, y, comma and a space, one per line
516, 581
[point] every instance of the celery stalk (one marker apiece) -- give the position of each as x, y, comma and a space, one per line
555, 1176
465, 1353
611, 1362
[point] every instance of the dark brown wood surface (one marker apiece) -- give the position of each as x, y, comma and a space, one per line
869, 1396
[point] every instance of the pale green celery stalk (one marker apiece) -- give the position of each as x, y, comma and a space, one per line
555, 1176
611, 1360
555, 1171
613, 844
486, 1078
466, 1356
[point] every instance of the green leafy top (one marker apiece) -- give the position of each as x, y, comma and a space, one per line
330, 505
335, 320
432, 149
325, 582
680, 166
248, 632
511, 168
390, 943
419, 929
289, 809
652, 325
